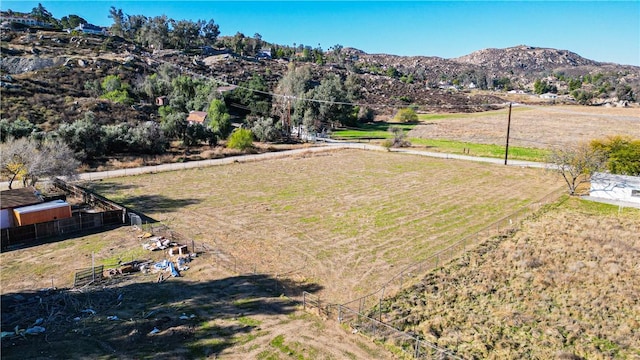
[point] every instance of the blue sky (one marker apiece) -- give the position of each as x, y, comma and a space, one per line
601, 30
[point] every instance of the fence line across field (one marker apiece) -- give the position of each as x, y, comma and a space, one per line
410, 344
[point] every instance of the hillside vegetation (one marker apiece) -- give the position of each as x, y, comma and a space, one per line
566, 286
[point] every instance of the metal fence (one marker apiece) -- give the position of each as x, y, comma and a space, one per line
88, 275
80, 221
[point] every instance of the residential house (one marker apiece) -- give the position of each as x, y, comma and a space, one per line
549, 96
7, 20
615, 187
264, 54
197, 117
90, 29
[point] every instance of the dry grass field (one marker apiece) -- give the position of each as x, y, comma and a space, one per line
346, 220
336, 224
564, 287
536, 127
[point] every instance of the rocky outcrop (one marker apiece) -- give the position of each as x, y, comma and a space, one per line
23, 64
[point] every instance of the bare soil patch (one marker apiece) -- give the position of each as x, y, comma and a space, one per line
538, 127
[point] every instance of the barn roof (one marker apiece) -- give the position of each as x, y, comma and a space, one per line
14, 198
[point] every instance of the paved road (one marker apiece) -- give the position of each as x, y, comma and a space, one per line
327, 145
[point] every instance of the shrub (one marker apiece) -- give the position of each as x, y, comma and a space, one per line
241, 139
265, 129
399, 137
406, 115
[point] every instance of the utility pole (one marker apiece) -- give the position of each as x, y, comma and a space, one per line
506, 150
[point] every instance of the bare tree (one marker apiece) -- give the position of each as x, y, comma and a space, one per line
27, 160
15, 155
576, 164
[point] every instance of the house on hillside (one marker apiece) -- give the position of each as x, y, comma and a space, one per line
611, 187
197, 117
8, 20
16, 198
264, 54
90, 29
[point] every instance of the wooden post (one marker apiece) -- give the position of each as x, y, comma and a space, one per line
506, 150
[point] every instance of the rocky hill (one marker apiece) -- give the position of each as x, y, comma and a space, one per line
45, 76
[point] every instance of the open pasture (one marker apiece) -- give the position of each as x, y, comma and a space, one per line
347, 220
542, 127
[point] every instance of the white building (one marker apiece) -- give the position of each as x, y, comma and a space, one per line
615, 187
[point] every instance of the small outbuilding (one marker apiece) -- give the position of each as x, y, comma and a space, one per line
44, 212
162, 101
614, 187
15, 198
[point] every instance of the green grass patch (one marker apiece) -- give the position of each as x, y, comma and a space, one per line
125, 256
380, 130
370, 130
294, 349
247, 321
246, 303
483, 150
597, 208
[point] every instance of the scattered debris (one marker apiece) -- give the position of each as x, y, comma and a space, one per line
154, 331
88, 311
113, 318
35, 330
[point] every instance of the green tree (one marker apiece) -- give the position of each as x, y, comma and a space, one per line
174, 124
209, 32
16, 129
71, 21
241, 139
184, 34
84, 136
218, 118
117, 28
393, 72
265, 129
574, 84
288, 104
330, 107
254, 94
622, 154
542, 87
